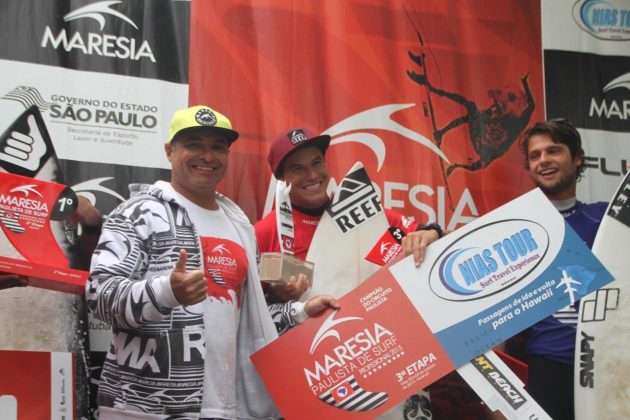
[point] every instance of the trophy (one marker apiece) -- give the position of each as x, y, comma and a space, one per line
276, 267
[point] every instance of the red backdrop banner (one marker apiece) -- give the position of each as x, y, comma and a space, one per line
432, 96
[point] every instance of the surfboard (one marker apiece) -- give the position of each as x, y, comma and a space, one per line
342, 250
500, 388
345, 235
602, 364
33, 318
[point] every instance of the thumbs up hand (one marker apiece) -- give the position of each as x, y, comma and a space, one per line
189, 287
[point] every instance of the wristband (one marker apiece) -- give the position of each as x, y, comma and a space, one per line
432, 226
298, 312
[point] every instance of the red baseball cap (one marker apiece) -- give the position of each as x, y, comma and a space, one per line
289, 142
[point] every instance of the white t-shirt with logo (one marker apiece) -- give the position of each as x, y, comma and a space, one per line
225, 267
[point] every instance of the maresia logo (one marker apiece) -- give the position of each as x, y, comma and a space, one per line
24, 198
215, 260
387, 247
608, 20
622, 81
339, 350
604, 97
27, 190
220, 249
97, 11
28, 200
91, 187
488, 260
609, 106
98, 43
223, 268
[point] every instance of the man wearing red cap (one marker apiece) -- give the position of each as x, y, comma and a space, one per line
175, 274
297, 156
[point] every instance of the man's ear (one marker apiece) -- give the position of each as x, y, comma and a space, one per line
168, 149
578, 160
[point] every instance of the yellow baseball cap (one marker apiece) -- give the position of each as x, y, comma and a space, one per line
200, 117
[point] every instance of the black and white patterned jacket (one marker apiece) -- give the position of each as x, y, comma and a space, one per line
155, 362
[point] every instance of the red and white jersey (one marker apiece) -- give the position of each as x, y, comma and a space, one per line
304, 226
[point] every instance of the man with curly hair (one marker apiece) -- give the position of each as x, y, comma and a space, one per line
555, 160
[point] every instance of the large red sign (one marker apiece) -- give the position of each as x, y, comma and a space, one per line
431, 96
36, 385
31, 231
352, 364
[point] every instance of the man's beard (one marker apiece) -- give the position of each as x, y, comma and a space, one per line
563, 184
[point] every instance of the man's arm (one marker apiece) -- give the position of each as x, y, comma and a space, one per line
285, 291
289, 314
91, 222
282, 298
117, 291
416, 243
8, 280
417, 236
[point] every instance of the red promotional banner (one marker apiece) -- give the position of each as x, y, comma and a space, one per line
405, 326
26, 208
354, 364
36, 385
31, 211
432, 96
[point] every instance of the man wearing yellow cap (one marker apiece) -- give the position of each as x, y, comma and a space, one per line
175, 275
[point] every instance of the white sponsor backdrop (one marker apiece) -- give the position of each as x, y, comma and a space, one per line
96, 117
608, 153
106, 106
598, 31
563, 29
